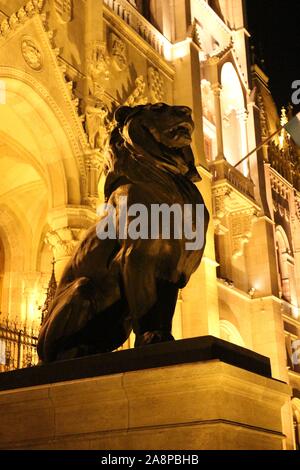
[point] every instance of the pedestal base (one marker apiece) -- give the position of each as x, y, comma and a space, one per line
198, 405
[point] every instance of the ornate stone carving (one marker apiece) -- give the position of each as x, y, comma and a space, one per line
297, 207
118, 52
156, 85
241, 230
98, 69
97, 125
263, 117
64, 9
144, 28
32, 53
64, 241
196, 34
10, 24
137, 97
220, 210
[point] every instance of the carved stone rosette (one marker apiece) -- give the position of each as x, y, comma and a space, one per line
32, 53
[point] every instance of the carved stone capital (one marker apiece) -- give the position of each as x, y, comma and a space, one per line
94, 161
64, 241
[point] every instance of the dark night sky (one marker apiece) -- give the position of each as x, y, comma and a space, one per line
275, 29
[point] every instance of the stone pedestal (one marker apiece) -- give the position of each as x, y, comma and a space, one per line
194, 394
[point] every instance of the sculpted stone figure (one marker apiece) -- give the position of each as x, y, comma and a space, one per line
113, 286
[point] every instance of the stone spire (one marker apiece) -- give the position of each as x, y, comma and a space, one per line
52, 286
284, 137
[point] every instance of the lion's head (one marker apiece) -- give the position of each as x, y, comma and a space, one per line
171, 126
157, 134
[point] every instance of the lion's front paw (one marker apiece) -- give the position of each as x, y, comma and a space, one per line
153, 337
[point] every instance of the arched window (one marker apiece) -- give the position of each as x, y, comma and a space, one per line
234, 117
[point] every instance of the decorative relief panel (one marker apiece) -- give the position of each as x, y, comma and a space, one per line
118, 52
241, 230
64, 9
98, 125
263, 117
98, 69
283, 211
32, 54
156, 85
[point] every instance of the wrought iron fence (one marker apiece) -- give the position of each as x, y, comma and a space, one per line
17, 346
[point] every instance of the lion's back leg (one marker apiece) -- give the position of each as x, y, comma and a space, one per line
70, 310
76, 326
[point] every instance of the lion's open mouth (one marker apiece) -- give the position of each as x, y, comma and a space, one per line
183, 129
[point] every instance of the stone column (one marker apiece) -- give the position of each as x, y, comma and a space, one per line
219, 121
242, 116
94, 165
187, 91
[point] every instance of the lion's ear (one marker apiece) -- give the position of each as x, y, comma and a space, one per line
123, 113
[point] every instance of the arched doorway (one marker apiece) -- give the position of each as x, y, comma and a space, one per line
39, 176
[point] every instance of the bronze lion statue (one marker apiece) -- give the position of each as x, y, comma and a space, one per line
115, 285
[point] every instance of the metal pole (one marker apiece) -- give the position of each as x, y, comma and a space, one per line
259, 147
19, 349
